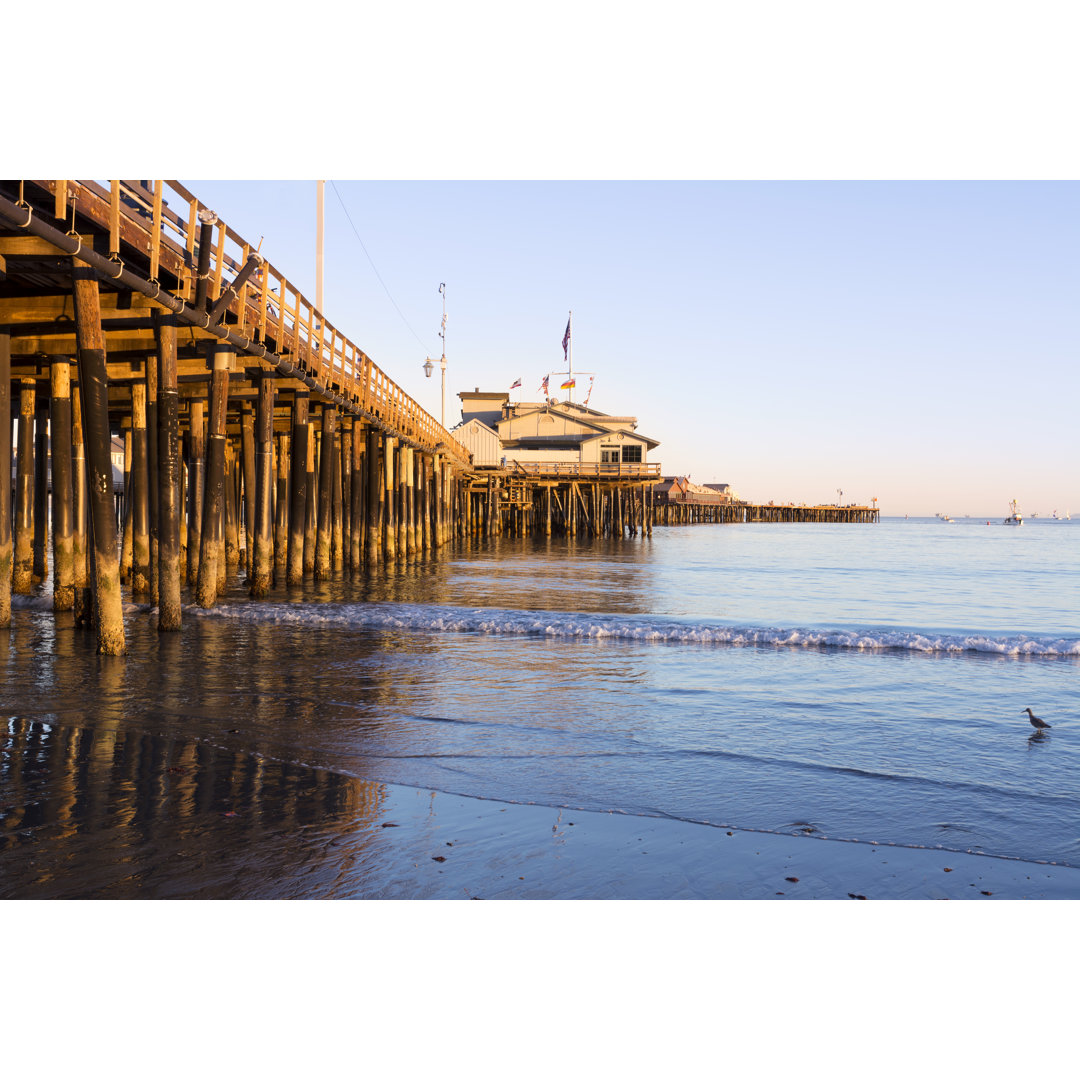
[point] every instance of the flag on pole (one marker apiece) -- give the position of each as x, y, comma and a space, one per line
566, 339
515, 385
592, 379
569, 384
544, 386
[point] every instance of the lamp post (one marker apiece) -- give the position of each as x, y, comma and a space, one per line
429, 365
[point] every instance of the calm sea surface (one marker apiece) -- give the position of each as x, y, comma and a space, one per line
849, 682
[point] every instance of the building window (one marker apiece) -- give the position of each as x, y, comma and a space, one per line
631, 453
609, 455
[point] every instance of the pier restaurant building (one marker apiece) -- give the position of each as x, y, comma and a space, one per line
561, 433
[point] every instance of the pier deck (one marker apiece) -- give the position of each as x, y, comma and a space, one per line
258, 438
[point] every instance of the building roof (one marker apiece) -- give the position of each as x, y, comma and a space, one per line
600, 431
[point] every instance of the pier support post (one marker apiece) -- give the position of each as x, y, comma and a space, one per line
80, 515
231, 535
94, 395
402, 501
326, 494
168, 469
206, 591
413, 545
389, 502
373, 544
60, 437
337, 531
281, 530
197, 485
312, 494
357, 526
298, 488
140, 494
436, 500
345, 544
41, 491
263, 444
126, 544
425, 503
153, 474
23, 580
251, 483
5, 477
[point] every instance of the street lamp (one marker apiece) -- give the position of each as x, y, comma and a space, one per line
429, 365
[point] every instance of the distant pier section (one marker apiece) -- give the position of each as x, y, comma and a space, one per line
677, 501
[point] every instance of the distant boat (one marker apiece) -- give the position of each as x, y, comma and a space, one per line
1014, 517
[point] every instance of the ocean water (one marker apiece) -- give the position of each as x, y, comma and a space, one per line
849, 682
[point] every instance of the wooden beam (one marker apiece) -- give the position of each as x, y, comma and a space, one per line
34, 245
16, 309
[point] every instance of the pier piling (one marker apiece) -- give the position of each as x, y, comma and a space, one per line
94, 396
168, 486
62, 517
298, 488
23, 579
5, 478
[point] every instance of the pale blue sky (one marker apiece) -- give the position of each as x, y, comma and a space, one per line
917, 341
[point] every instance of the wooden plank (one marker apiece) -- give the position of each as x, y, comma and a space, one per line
20, 309
64, 344
34, 245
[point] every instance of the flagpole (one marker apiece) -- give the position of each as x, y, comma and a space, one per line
570, 357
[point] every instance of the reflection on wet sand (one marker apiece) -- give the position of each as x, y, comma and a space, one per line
110, 814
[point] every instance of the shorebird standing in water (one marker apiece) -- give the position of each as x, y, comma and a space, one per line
1035, 721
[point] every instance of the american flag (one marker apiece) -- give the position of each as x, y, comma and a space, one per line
544, 385
566, 339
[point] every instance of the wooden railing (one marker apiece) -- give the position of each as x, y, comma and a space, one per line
693, 498
267, 307
576, 470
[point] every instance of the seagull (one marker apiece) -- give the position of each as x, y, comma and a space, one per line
1035, 721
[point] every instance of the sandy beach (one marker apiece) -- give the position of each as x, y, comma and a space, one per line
449, 847
414, 844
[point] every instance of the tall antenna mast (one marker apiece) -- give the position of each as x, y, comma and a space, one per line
442, 362
320, 194
429, 367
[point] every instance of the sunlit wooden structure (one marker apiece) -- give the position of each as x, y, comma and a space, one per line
129, 305
253, 428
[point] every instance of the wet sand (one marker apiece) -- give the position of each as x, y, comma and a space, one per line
446, 847
378, 841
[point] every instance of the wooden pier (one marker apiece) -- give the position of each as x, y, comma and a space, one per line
702, 512
562, 499
129, 306
258, 439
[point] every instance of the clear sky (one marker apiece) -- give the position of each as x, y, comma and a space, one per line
916, 341
811, 246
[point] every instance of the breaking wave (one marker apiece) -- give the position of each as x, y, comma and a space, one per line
650, 629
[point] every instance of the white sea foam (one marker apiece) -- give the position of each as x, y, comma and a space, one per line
569, 625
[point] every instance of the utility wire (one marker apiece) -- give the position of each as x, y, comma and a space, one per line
373, 267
